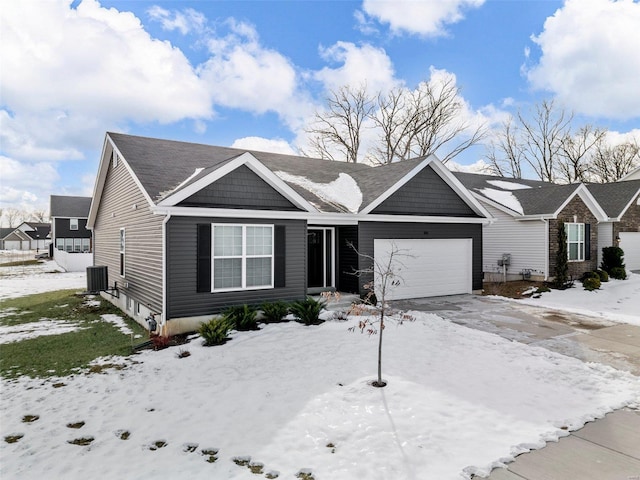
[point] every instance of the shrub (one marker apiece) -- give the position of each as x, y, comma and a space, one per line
275, 311
562, 265
591, 283
586, 275
215, 331
604, 276
308, 310
619, 273
242, 317
612, 257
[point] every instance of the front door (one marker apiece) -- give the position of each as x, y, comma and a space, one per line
320, 258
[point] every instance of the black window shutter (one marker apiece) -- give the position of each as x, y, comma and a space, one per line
279, 254
203, 267
587, 241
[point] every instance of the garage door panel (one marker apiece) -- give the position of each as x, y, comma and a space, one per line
428, 268
630, 244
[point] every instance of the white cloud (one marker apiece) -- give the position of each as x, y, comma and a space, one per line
590, 57
186, 21
261, 144
25, 186
427, 18
359, 65
480, 166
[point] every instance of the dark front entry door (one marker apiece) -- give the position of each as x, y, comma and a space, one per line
320, 258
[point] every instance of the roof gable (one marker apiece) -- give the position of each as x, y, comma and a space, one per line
62, 206
615, 198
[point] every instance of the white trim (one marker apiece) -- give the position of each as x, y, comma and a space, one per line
122, 252
588, 200
324, 255
313, 218
163, 314
254, 165
581, 251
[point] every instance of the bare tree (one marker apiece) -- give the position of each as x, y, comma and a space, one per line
573, 164
39, 216
409, 124
505, 153
336, 131
14, 217
611, 163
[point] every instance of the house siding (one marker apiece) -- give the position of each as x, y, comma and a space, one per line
241, 188
525, 241
426, 194
123, 205
576, 207
62, 228
605, 238
183, 300
368, 231
630, 221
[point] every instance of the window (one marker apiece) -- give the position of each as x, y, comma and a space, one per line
60, 243
114, 158
77, 244
86, 245
68, 244
73, 224
242, 256
575, 241
122, 251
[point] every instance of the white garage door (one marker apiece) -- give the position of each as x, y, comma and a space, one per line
630, 244
428, 268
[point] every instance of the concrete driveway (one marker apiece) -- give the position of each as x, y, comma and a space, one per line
588, 338
606, 449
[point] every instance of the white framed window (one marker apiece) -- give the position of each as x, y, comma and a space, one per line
73, 224
68, 244
575, 241
242, 257
60, 243
86, 245
77, 244
122, 251
114, 158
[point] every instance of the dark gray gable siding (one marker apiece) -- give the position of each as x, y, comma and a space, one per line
368, 231
241, 188
122, 204
63, 229
426, 194
183, 299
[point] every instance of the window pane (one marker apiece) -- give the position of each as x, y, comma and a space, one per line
227, 273
73, 224
68, 244
580, 228
571, 232
573, 251
227, 241
60, 243
122, 241
85, 245
77, 244
259, 240
258, 272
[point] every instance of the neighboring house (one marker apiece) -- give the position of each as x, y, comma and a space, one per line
186, 230
523, 241
14, 239
632, 175
621, 202
69, 223
39, 234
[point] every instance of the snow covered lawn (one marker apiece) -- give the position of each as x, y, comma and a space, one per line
617, 300
296, 398
46, 276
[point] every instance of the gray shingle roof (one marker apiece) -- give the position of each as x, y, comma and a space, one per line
163, 165
69, 207
614, 197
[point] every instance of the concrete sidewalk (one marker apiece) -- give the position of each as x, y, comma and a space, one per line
606, 449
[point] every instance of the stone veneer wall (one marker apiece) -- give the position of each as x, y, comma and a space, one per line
578, 208
630, 221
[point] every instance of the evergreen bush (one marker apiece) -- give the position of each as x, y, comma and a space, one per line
308, 310
612, 257
619, 273
562, 259
604, 276
591, 283
275, 311
586, 275
242, 317
214, 332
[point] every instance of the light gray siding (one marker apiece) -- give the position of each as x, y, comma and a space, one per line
183, 300
605, 238
426, 194
525, 241
123, 206
241, 188
368, 231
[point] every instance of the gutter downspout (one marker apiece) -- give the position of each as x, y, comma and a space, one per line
546, 249
163, 314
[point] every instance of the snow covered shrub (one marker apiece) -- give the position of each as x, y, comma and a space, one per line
308, 310
242, 317
591, 283
619, 273
613, 258
586, 275
275, 311
215, 331
604, 276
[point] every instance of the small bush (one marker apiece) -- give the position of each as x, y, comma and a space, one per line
591, 283
308, 310
619, 273
215, 331
612, 257
586, 275
242, 317
604, 276
275, 311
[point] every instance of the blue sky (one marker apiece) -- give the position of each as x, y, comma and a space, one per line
252, 73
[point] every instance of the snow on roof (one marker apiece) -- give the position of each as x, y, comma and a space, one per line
342, 191
504, 198
507, 185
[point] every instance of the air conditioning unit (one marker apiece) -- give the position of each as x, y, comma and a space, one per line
97, 279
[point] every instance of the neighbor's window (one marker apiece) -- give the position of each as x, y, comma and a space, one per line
68, 244
60, 243
86, 245
242, 256
122, 250
77, 244
575, 241
73, 224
